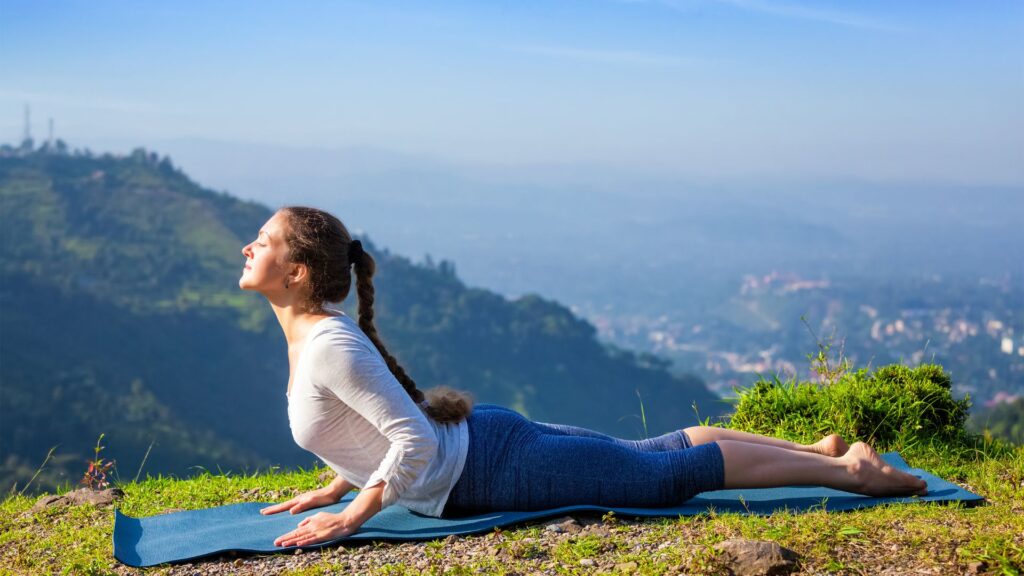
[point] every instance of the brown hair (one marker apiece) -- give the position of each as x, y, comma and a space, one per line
320, 241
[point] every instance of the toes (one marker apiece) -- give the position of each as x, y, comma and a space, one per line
922, 487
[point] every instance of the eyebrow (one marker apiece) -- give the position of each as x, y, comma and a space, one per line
263, 232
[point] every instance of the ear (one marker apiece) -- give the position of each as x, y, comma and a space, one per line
298, 273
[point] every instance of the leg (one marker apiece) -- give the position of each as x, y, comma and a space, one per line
513, 464
675, 440
551, 470
860, 470
831, 445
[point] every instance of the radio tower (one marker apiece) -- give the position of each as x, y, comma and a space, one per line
28, 124
49, 141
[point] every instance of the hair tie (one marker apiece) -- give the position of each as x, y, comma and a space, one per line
355, 251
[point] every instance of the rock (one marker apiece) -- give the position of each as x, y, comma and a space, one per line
48, 501
596, 530
627, 567
80, 496
978, 567
755, 557
95, 497
563, 525
587, 562
252, 492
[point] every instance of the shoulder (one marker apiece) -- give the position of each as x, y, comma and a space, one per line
339, 346
334, 337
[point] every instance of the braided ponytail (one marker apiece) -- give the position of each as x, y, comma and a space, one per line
444, 404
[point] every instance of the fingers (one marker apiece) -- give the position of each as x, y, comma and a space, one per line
294, 504
317, 528
291, 506
272, 509
278, 507
298, 538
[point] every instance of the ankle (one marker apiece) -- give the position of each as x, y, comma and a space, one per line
858, 470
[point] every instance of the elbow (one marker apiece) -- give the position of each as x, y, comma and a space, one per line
423, 452
426, 446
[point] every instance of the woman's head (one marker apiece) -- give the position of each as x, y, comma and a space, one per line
302, 250
321, 243
307, 250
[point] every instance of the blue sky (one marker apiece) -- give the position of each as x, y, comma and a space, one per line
714, 89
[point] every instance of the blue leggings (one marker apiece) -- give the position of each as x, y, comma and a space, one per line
514, 463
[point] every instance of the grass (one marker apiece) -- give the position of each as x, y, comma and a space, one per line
77, 540
896, 408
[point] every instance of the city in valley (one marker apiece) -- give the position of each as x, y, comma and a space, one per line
774, 322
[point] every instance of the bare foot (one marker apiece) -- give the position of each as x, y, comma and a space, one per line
872, 476
831, 445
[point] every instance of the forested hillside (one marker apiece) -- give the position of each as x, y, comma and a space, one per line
120, 314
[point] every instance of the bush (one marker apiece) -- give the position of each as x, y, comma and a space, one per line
895, 408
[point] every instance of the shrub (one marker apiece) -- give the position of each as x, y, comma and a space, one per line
894, 408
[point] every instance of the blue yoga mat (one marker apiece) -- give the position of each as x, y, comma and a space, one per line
193, 534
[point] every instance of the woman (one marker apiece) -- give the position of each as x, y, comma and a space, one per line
352, 404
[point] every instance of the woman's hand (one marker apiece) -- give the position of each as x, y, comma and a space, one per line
320, 527
302, 502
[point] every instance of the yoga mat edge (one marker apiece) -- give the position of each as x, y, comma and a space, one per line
196, 534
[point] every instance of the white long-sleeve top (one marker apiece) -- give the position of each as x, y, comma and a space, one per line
346, 407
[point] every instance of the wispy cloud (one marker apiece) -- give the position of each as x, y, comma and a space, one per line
786, 10
626, 57
801, 12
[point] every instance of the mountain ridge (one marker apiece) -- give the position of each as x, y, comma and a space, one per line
120, 276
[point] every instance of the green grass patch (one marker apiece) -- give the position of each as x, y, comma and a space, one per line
895, 408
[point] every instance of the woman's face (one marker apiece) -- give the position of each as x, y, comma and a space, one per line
266, 266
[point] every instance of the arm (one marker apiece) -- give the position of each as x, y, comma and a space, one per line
365, 505
324, 526
361, 379
339, 487
325, 496
358, 377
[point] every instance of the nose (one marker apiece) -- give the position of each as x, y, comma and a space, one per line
246, 250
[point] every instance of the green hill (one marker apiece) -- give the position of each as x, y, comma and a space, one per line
120, 313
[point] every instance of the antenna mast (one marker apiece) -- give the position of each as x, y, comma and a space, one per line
28, 124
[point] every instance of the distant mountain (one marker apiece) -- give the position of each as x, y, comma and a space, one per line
120, 313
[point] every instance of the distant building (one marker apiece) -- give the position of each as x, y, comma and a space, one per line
1007, 346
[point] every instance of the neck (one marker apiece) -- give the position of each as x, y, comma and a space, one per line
296, 320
